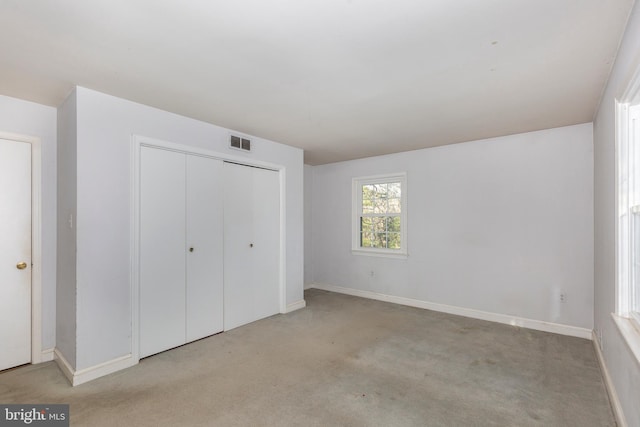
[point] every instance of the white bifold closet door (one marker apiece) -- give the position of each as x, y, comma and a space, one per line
251, 244
181, 277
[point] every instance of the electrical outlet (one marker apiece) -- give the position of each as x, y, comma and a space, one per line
563, 297
372, 273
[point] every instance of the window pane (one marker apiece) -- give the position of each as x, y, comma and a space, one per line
365, 224
394, 189
393, 224
380, 240
381, 190
380, 206
366, 240
367, 206
379, 225
393, 240
395, 206
368, 192
374, 191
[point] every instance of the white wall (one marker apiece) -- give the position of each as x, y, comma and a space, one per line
27, 118
499, 225
624, 370
66, 247
105, 125
308, 220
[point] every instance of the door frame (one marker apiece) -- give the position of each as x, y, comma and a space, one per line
138, 141
36, 240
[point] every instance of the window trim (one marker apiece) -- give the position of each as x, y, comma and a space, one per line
624, 283
626, 320
356, 197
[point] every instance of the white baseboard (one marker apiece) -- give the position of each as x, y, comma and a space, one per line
85, 375
611, 390
47, 355
539, 325
295, 306
64, 365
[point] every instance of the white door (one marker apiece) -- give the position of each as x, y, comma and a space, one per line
181, 279
204, 243
251, 244
162, 296
15, 253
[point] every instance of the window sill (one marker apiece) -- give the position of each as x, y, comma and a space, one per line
630, 332
382, 254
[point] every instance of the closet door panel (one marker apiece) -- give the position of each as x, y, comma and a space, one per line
162, 246
238, 253
204, 247
251, 244
266, 237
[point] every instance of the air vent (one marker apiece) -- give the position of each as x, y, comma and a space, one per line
239, 143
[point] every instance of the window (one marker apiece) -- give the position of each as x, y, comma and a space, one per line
629, 211
627, 315
380, 215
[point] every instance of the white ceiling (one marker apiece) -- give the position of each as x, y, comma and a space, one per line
341, 79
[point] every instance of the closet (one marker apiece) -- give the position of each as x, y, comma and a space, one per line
208, 246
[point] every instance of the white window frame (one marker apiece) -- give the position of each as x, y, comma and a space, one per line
627, 204
357, 184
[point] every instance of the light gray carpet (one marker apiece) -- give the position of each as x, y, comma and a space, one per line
342, 361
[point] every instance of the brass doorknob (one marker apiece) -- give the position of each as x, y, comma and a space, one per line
21, 265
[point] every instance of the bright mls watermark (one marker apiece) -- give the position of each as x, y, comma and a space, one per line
34, 415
